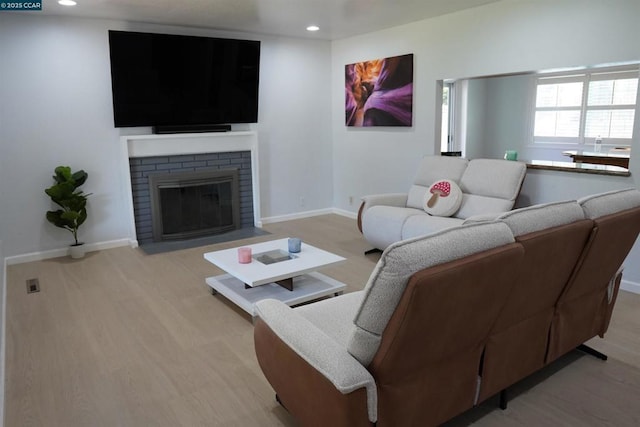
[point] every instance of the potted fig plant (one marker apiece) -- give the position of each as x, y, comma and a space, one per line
73, 204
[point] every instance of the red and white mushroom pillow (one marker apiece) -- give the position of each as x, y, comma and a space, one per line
443, 198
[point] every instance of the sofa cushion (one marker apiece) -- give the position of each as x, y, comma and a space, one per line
493, 178
334, 316
400, 261
599, 205
481, 218
443, 198
490, 186
539, 217
431, 169
420, 225
473, 205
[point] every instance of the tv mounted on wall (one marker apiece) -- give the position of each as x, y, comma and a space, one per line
183, 82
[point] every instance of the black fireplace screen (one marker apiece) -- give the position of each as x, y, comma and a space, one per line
194, 204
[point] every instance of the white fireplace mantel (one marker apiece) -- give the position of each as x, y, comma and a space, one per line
190, 143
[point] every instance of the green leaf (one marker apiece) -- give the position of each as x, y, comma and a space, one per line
82, 217
62, 174
70, 216
55, 217
79, 178
60, 191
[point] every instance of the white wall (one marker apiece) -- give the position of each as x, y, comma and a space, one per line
294, 133
55, 108
508, 116
502, 37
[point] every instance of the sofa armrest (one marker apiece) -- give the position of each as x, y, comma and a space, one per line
322, 354
388, 199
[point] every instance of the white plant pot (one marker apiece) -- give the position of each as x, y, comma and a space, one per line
77, 251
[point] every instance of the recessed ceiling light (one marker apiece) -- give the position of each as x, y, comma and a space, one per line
67, 2
313, 28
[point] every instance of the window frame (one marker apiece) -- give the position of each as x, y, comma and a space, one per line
582, 141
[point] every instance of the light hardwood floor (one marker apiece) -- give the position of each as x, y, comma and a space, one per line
121, 338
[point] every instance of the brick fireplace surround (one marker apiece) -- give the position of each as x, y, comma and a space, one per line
219, 145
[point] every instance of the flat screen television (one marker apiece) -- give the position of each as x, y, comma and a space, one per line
164, 80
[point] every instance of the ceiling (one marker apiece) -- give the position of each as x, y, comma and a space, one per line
336, 18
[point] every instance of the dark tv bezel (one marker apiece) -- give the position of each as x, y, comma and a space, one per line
164, 122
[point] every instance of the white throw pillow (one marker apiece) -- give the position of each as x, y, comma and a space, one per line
443, 198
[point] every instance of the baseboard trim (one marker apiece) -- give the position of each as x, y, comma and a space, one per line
297, 215
56, 253
629, 286
308, 214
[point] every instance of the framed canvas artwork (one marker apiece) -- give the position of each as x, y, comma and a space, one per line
379, 92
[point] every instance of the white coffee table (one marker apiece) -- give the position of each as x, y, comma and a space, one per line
295, 274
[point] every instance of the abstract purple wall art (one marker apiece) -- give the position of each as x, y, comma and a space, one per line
379, 92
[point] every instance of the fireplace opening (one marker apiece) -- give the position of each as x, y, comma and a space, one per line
193, 204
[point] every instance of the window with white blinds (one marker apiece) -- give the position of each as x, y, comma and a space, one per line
578, 108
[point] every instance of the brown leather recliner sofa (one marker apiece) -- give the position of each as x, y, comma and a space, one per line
450, 319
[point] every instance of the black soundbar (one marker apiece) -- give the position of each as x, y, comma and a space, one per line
190, 128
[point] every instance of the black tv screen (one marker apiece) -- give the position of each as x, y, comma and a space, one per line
171, 80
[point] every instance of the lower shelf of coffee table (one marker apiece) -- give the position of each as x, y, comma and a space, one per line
306, 287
